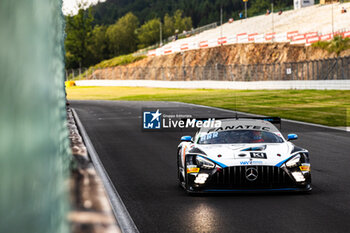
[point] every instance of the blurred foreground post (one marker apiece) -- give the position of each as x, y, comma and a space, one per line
34, 148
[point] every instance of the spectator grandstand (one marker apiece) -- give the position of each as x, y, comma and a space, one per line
302, 26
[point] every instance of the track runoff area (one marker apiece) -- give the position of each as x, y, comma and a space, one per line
142, 168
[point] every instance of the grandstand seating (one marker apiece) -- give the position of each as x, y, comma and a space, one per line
303, 26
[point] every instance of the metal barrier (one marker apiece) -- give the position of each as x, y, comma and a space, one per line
327, 69
194, 31
34, 146
172, 38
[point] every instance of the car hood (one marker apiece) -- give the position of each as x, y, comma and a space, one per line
269, 154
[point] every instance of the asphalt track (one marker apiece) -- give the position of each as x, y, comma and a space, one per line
142, 167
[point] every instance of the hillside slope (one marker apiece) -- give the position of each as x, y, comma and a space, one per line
211, 64
264, 53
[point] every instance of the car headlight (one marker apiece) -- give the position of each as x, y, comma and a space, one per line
293, 162
204, 163
298, 166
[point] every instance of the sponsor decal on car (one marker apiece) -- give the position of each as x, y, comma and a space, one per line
192, 169
240, 127
305, 167
209, 136
258, 155
184, 153
251, 162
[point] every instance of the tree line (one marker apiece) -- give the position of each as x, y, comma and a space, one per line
201, 12
109, 29
87, 44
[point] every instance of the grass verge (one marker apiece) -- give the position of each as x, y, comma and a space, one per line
113, 62
327, 107
118, 61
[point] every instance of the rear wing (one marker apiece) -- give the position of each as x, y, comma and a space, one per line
272, 120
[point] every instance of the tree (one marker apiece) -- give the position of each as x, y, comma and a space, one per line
168, 26
202, 12
122, 35
260, 6
98, 46
181, 24
177, 22
78, 30
187, 23
148, 34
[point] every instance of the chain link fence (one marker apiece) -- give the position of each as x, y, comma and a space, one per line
327, 69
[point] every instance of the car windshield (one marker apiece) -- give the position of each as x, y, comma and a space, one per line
239, 136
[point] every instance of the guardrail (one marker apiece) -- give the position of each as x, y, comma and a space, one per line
152, 48
235, 85
194, 31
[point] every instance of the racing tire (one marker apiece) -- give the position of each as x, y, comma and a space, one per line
179, 175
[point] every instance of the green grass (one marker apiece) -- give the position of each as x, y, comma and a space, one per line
327, 107
337, 45
116, 61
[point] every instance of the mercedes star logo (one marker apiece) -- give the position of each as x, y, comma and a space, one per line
251, 174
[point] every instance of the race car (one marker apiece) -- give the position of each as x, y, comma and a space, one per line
242, 155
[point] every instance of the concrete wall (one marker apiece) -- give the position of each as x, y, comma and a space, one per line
312, 84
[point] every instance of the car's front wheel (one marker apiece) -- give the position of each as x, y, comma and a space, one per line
179, 173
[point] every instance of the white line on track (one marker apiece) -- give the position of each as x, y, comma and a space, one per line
122, 215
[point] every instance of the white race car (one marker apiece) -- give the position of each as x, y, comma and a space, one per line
242, 155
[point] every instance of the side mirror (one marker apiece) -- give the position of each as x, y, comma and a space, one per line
292, 136
186, 139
